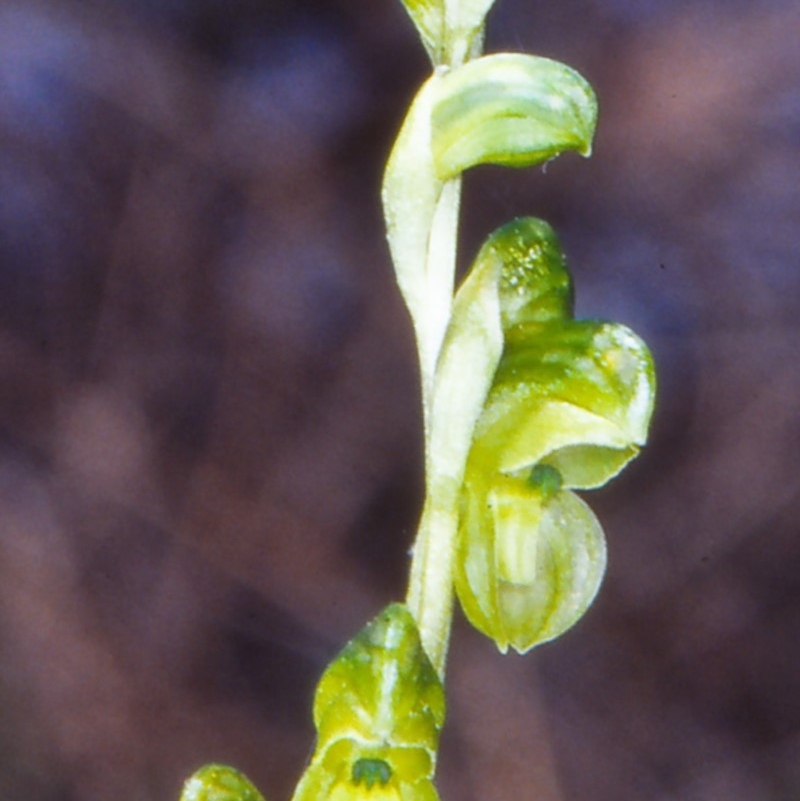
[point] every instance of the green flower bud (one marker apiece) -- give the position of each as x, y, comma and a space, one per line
219, 783
449, 29
378, 710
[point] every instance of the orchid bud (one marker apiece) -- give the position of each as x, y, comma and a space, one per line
219, 783
378, 710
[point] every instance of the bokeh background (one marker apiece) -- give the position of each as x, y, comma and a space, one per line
209, 428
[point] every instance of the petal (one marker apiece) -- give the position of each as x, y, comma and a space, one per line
576, 394
528, 567
535, 286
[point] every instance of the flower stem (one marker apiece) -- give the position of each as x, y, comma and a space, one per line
430, 590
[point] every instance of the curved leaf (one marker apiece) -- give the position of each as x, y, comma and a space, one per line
411, 194
507, 109
511, 109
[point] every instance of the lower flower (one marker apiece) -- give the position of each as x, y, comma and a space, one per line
531, 560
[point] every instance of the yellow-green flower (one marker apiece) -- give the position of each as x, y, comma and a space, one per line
569, 407
378, 710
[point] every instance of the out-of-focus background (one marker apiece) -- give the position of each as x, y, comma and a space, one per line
209, 427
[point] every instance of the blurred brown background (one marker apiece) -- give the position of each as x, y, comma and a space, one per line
209, 428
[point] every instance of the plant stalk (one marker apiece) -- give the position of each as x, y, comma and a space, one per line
430, 591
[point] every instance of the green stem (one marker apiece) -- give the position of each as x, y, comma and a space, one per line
430, 593
430, 588
440, 280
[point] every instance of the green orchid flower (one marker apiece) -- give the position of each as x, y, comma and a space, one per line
569, 407
378, 710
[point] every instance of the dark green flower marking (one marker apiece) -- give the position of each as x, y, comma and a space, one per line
371, 771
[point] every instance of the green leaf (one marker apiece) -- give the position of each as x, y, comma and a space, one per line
411, 194
507, 109
378, 710
511, 109
219, 783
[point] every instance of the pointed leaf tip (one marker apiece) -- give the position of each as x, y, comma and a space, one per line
428, 17
449, 29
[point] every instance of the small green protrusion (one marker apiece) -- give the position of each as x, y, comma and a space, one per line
371, 771
545, 478
219, 783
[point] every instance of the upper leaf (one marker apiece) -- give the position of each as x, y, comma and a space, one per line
411, 192
511, 109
